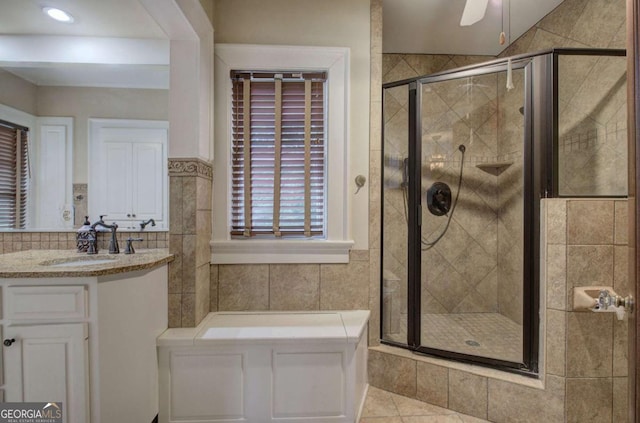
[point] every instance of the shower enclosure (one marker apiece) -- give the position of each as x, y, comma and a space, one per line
468, 154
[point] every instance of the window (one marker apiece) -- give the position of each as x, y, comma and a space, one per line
14, 175
325, 237
278, 151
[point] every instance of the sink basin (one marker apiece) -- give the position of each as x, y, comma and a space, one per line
78, 261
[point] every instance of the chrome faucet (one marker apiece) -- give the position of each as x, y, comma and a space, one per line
113, 243
143, 224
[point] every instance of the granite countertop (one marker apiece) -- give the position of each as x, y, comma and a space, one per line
66, 263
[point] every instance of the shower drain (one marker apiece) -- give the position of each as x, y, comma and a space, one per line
472, 343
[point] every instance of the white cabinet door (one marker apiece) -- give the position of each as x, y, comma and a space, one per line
116, 201
129, 182
148, 170
46, 363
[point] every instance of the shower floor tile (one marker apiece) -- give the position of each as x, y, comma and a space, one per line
481, 334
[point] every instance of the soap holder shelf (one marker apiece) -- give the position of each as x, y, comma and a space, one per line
495, 168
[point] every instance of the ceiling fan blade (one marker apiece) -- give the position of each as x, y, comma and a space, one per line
473, 12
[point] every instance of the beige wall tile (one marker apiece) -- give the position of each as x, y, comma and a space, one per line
188, 310
213, 283
588, 28
556, 221
374, 297
203, 193
620, 347
203, 291
620, 399
175, 205
556, 274
589, 265
243, 287
433, 384
590, 222
621, 270
589, 400
468, 393
562, 20
189, 204
511, 402
344, 286
556, 342
589, 344
175, 310
294, 287
203, 237
621, 222
392, 373
359, 255
188, 264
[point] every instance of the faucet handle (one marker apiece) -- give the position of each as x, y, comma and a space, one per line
129, 248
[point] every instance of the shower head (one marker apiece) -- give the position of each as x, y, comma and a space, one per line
462, 148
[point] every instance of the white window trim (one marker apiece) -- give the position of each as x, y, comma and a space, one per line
335, 248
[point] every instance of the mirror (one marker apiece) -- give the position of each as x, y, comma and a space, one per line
105, 65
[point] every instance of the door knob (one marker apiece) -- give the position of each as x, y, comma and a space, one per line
9, 342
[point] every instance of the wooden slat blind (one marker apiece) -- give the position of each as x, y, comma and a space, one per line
14, 175
278, 180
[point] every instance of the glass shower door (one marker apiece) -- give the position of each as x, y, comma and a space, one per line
472, 201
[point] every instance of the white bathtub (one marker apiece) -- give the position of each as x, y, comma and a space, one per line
294, 367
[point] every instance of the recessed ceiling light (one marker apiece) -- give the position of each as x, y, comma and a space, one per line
58, 14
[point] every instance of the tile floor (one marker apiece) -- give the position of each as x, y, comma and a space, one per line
386, 407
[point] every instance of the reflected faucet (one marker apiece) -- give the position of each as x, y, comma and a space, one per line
113, 243
143, 224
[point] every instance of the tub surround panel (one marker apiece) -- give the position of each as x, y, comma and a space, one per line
261, 371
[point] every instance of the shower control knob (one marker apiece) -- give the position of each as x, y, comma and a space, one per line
9, 342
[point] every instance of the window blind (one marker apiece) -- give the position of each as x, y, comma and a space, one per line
278, 155
14, 175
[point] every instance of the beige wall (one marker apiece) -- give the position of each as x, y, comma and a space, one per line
329, 23
17, 93
108, 103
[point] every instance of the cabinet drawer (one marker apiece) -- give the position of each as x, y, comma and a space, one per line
45, 302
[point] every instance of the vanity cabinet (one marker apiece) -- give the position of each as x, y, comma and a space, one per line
86, 341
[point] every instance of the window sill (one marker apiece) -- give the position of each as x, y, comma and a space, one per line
279, 251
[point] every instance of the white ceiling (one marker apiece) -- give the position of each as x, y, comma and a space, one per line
67, 57
409, 26
433, 26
